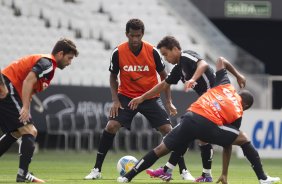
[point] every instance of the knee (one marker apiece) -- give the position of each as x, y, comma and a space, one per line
112, 127
165, 129
28, 129
202, 143
241, 139
16, 134
32, 131
161, 150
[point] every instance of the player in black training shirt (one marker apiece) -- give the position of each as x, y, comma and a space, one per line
195, 73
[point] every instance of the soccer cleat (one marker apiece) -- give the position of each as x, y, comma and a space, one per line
159, 173
270, 180
186, 175
93, 175
29, 178
122, 179
204, 179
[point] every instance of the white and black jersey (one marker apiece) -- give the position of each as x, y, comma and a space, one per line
186, 68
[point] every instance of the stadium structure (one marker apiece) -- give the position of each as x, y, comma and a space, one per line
76, 107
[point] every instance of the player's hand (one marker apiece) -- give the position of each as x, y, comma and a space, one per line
133, 104
241, 81
114, 109
222, 179
24, 115
172, 109
190, 84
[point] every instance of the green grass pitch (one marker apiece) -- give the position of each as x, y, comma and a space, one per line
60, 167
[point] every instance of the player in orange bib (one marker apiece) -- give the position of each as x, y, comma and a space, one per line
214, 118
19, 81
138, 65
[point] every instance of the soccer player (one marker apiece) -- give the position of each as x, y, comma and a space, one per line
195, 73
137, 62
215, 118
23, 78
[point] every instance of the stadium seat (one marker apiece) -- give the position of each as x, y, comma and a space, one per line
67, 122
82, 128
141, 129
54, 127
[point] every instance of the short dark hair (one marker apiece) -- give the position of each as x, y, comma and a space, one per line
65, 45
169, 42
247, 98
135, 24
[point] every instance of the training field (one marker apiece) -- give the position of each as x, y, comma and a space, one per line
71, 167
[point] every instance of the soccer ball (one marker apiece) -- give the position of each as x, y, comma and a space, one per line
125, 164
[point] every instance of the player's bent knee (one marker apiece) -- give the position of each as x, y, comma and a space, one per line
202, 143
28, 129
112, 126
16, 134
161, 150
241, 139
165, 129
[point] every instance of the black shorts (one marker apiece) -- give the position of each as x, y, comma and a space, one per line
152, 109
193, 126
9, 110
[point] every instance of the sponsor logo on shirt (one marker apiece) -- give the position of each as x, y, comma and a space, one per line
136, 68
135, 79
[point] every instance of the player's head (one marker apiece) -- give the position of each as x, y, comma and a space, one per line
170, 49
247, 98
64, 51
134, 32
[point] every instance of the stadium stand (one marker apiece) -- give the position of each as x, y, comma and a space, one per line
33, 26
98, 27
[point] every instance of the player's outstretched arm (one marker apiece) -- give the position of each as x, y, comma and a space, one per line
201, 68
133, 104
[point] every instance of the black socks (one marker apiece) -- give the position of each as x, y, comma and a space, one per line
5, 142
104, 146
147, 161
252, 155
26, 153
207, 155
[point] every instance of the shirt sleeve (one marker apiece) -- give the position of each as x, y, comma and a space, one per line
42, 68
189, 60
195, 54
175, 75
221, 77
160, 66
114, 65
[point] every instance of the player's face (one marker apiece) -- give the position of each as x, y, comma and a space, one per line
170, 56
64, 60
134, 38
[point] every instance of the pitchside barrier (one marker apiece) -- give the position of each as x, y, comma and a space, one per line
264, 128
75, 116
